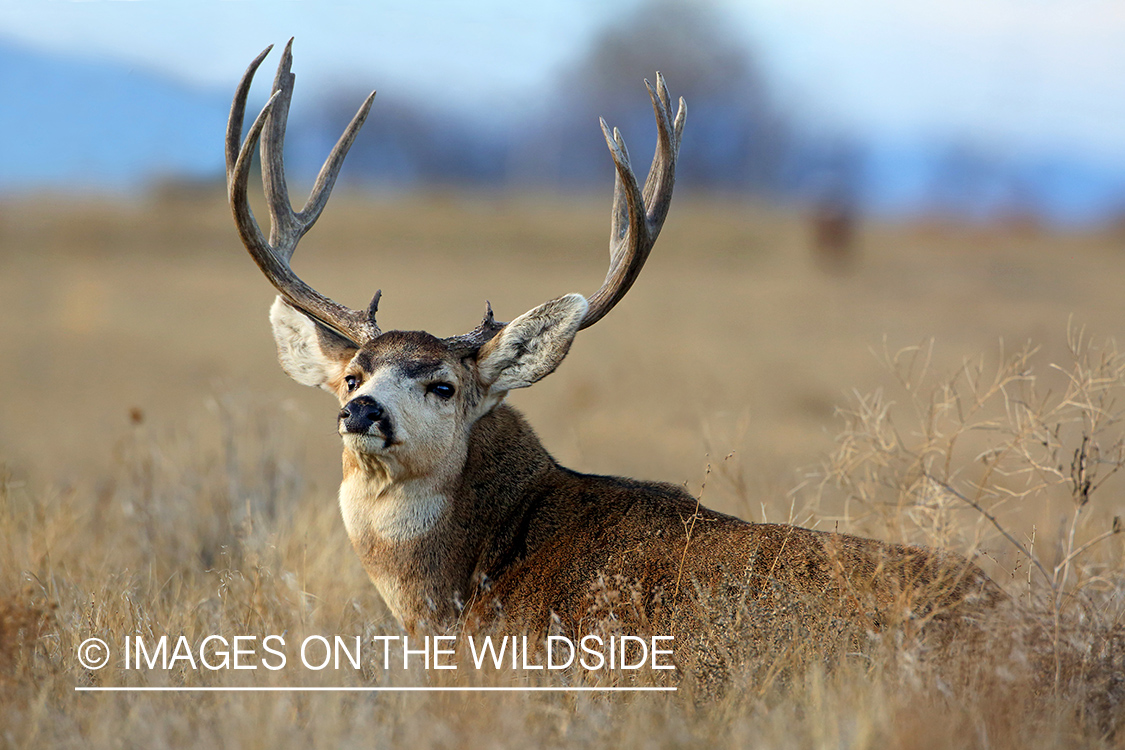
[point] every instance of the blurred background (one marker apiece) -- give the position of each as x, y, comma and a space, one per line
854, 178
1000, 110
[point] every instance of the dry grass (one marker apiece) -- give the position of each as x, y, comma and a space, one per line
160, 476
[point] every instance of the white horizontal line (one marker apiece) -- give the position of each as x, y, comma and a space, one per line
374, 689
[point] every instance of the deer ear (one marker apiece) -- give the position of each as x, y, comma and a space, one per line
531, 346
309, 352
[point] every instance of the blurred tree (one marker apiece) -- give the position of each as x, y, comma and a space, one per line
402, 145
735, 138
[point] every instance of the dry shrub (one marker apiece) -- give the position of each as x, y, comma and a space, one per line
986, 454
1018, 465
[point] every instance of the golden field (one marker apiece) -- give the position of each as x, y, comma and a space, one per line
159, 474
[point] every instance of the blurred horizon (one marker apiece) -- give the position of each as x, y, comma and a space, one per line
984, 112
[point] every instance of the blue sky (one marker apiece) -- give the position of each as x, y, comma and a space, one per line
472, 54
1011, 73
1017, 74
1038, 85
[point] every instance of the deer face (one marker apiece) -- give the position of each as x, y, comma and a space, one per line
406, 403
408, 399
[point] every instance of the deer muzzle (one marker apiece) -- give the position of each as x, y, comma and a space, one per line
360, 414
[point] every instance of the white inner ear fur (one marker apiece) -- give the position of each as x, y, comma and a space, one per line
531, 346
305, 354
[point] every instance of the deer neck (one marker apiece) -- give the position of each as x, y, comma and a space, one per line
428, 543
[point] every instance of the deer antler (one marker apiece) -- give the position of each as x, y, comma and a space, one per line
637, 217
286, 225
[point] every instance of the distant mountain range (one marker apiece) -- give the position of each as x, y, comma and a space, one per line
71, 124
74, 124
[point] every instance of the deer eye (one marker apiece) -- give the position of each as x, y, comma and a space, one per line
443, 391
351, 382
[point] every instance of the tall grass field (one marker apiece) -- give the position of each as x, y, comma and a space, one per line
956, 387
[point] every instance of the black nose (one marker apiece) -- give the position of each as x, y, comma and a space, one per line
360, 413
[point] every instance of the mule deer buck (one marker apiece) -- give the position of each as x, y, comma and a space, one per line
461, 517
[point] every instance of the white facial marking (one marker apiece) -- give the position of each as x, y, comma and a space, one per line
426, 435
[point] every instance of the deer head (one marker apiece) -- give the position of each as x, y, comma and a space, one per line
409, 399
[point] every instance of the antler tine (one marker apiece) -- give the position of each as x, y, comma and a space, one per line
285, 230
638, 216
469, 343
662, 173
238, 112
286, 223
287, 226
326, 178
